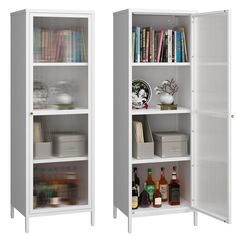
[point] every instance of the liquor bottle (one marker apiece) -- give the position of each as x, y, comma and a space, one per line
174, 189
163, 185
144, 199
72, 188
134, 193
157, 196
55, 199
136, 180
150, 185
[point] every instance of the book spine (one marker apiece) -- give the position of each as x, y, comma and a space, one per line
143, 44
185, 46
160, 46
138, 46
169, 32
147, 45
173, 46
155, 45
178, 46
78, 46
182, 47
133, 46
151, 53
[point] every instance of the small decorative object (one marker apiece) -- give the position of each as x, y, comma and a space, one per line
40, 95
146, 106
166, 91
64, 98
141, 94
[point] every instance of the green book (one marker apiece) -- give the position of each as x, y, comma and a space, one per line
133, 45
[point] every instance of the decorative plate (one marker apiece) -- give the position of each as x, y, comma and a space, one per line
141, 93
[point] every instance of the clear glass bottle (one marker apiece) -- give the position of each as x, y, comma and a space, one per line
157, 197
163, 186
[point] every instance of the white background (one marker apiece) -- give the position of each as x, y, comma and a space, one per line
79, 224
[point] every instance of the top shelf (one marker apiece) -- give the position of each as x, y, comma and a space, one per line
60, 64
161, 64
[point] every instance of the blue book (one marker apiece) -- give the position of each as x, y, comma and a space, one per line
178, 46
137, 44
78, 46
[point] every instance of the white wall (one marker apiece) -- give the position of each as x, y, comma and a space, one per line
105, 225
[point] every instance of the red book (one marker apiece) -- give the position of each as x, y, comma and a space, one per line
160, 45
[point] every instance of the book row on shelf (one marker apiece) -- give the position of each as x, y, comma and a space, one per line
155, 193
150, 45
68, 45
55, 186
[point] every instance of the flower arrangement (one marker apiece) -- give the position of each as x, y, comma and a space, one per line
167, 86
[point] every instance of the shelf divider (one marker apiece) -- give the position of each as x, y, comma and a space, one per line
157, 159
59, 159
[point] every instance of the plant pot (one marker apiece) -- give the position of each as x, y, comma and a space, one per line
166, 99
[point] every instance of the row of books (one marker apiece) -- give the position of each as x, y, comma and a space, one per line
149, 45
60, 45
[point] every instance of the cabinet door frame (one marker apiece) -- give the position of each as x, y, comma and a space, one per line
226, 114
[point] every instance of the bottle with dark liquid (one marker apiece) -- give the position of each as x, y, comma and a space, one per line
150, 185
72, 188
144, 199
157, 196
136, 180
163, 185
134, 193
174, 189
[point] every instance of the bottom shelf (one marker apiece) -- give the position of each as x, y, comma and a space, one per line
63, 208
164, 209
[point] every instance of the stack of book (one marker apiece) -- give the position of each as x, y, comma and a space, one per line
149, 45
59, 45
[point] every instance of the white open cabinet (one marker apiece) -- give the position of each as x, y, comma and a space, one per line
204, 114
53, 61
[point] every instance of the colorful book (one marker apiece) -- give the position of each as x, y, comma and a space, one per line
178, 47
147, 45
143, 45
169, 54
133, 46
160, 45
151, 45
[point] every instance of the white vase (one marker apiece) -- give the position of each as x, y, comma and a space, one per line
166, 99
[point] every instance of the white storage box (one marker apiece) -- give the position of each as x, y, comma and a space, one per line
170, 144
42, 150
143, 150
69, 144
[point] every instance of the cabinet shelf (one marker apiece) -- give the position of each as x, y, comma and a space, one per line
48, 112
59, 159
161, 64
81, 207
153, 111
60, 64
157, 159
164, 209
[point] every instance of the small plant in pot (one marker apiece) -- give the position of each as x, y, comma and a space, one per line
166, 91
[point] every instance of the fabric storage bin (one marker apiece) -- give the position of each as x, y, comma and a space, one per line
143, 150
42, 150
69, 144
170, 144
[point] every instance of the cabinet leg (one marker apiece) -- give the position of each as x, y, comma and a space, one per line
27, 224
114, 212
195, 218
92, 218
130, 224
12, 212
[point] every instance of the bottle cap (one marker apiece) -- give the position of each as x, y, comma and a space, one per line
162, 168
149, 170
